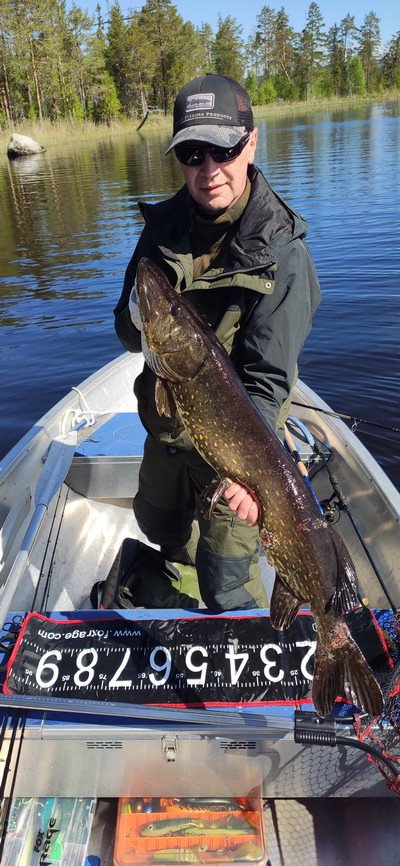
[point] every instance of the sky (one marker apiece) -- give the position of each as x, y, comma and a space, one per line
245, 11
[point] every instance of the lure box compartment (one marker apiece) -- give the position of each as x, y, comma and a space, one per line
226, 842
50, 830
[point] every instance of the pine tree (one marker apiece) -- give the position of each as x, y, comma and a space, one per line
77, 38
336, 60
312, 48
356, 76
369, 42
390, 63
207, 41
348, 32
102, 97
228, 49
119, 59
161, 27
284, 50
266, 32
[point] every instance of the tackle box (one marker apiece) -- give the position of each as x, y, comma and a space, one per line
48, 830
178, 833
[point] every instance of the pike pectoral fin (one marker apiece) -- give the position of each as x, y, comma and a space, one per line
165, 404
345, 595
284, 605
214, 492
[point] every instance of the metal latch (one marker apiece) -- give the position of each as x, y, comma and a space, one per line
170, 748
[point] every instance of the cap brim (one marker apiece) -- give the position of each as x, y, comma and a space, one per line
222, 136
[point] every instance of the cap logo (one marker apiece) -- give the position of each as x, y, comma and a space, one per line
200, 101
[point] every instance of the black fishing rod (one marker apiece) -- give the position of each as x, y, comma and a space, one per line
337, 494
342, 505
356, 421
17, 719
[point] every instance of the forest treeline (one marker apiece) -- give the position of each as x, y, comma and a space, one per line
61, 63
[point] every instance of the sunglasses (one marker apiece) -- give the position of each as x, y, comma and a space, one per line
195, 154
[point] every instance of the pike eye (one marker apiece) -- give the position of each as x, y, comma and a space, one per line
174, 310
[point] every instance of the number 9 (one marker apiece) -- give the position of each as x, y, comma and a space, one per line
166, 666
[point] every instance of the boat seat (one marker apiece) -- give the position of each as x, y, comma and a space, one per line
106, 464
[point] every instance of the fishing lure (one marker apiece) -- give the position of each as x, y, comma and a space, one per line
170, 826
179, 855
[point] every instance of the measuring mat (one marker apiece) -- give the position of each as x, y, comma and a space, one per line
194, 661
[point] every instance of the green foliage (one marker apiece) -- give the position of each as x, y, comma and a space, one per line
32, 115
260, 93
252, 88
356, 77
337, 70
229, 49
391, 63
104, 104
369, 43
60, 63
267, 92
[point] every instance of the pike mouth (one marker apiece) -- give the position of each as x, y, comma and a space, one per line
149, 294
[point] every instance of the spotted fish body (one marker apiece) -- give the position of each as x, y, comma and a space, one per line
311, 561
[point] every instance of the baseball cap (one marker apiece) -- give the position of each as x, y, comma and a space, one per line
212, 108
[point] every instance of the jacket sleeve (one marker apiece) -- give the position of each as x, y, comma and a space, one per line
275, 331
126, 331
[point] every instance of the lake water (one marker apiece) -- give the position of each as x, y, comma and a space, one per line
69, 221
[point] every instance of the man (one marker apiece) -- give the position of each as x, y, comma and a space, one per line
237, 249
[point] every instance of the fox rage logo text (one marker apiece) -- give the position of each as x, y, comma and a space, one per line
43, 843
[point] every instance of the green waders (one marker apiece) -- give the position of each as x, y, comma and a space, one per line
223, 548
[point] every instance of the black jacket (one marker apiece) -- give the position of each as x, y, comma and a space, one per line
259, 300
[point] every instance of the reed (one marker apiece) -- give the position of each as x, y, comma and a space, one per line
53, 134
56, 134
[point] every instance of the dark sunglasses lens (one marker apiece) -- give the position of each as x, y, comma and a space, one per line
194, 155
190, 155
224, 154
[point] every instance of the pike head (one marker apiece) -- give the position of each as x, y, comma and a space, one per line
175, 347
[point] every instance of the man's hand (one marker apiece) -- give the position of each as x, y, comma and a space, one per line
240, 500
134, 311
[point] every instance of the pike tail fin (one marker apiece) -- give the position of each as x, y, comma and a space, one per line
340, 670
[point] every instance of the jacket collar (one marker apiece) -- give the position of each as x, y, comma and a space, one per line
268, 224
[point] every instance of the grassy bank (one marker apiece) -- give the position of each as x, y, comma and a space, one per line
53, 135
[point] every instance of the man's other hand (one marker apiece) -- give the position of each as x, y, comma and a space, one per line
240, 500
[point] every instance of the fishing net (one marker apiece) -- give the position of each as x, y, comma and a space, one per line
383, 735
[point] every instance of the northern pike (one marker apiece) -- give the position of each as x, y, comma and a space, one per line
195, 375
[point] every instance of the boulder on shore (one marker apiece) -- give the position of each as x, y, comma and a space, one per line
22, 145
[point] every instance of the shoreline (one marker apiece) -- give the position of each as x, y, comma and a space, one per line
53, 135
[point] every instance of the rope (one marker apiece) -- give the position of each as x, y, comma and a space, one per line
83, 416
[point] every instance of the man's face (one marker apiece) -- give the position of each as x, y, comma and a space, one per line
216, 186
